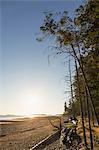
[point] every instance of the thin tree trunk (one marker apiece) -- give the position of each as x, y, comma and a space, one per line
73, 109
89, 122
81, 107
85, 105
92, 115
93, 119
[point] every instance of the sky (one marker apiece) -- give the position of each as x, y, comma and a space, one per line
29, 84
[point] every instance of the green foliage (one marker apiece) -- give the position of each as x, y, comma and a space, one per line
60, 28
88, 22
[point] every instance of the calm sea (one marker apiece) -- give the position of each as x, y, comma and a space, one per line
11, 117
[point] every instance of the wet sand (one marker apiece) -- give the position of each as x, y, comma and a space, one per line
22, 134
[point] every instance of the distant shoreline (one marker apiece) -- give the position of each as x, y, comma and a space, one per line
15, 117
9, 118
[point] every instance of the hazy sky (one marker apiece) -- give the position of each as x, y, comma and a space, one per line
28, 83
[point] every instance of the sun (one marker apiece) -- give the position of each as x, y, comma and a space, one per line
31, 104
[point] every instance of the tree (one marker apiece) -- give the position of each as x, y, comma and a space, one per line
67, 39
75, 37
63, 31
65, 107
81, 105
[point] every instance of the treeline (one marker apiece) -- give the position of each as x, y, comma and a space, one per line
91, 69
77, 39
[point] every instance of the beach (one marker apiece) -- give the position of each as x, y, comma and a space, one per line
22, 134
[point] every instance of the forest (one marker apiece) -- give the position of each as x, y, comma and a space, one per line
77, 38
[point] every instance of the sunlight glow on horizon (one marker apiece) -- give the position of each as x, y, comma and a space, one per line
33, 100
31, 104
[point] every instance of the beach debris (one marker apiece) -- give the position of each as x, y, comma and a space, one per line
69, 137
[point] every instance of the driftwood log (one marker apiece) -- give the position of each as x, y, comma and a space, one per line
45, 142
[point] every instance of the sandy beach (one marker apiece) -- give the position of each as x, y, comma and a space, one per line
22, 134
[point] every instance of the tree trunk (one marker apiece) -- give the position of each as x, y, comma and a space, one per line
73, 109
89, 122
81, 107
92, 118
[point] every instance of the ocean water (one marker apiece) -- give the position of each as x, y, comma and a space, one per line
11, 117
